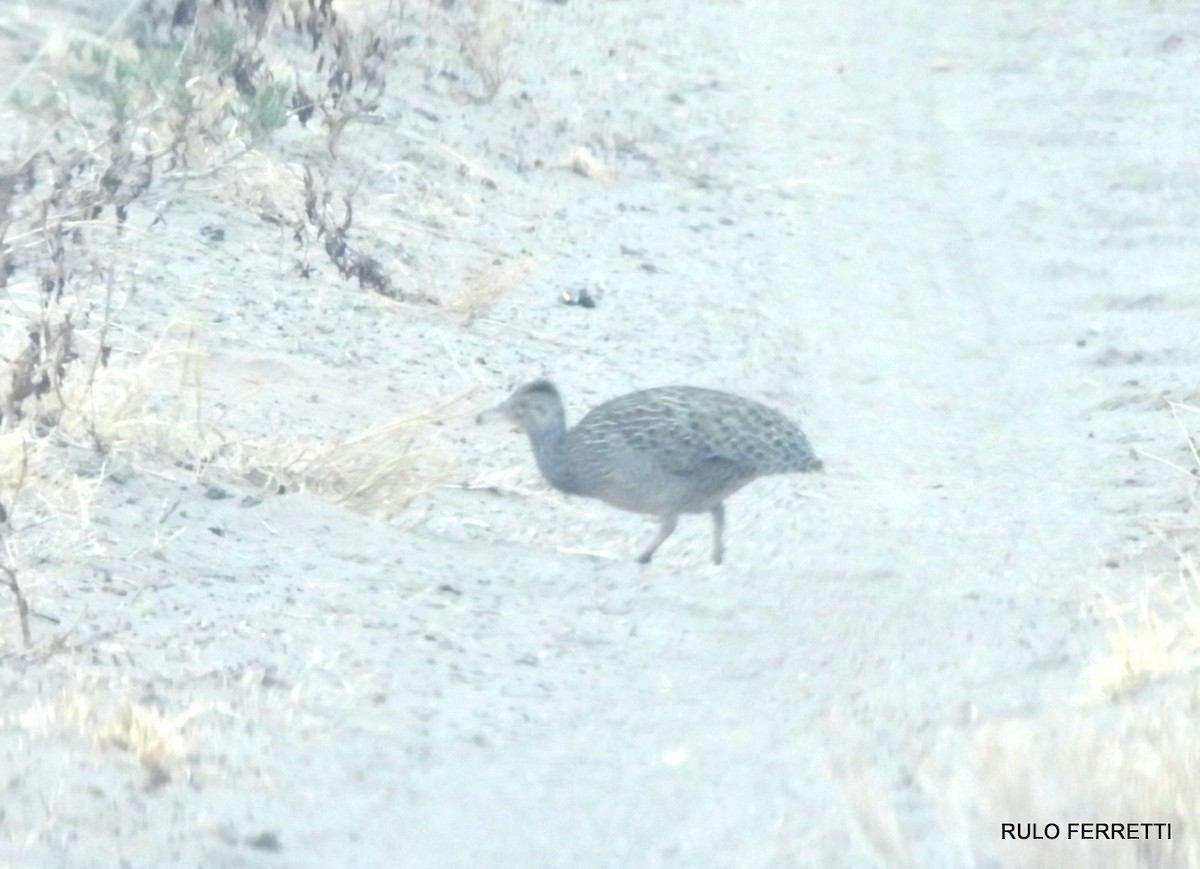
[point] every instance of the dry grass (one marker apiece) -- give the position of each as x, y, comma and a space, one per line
487, 286
1155, 637
485, 31
28, 471
150, 403
156, 741
379, 469
136, 409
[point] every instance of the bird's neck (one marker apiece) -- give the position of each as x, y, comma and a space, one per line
549, 450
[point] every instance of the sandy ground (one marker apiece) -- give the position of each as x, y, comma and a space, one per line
955, 241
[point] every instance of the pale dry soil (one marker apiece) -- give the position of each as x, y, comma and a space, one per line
956, 241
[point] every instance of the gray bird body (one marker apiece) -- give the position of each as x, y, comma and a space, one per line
662, 451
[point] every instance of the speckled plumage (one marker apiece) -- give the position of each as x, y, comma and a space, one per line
663, 451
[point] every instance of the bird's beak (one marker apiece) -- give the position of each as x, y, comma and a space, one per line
500, 411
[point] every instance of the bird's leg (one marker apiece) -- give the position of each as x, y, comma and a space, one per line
665, 530
718, 514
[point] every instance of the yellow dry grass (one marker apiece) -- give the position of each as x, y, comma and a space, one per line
380, 468
487, 286
155, 740
1155, 637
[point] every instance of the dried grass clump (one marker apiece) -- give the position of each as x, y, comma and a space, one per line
383, 468
487, 286
485, 33
156, 741
379, 469
1154, 638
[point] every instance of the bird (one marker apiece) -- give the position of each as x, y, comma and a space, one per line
662, 451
